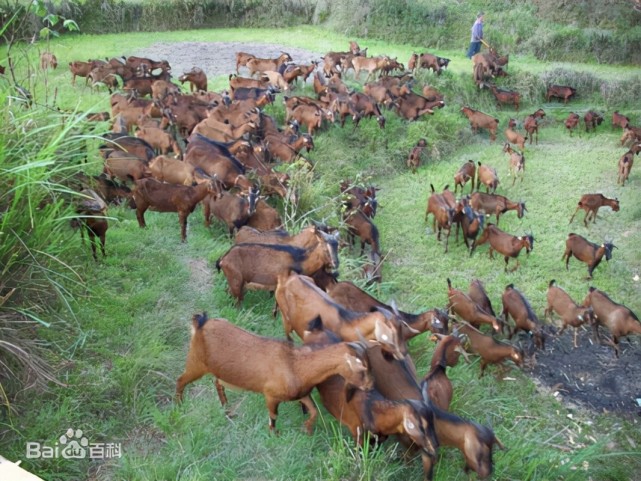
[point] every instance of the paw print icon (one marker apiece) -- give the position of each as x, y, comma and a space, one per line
73, 444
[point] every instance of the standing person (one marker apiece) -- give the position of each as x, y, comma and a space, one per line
477, 36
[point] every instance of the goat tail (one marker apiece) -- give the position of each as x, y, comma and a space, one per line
218, 264
551, 283
449, 283
199, 320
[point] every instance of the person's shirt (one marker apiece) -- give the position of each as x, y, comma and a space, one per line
477, 31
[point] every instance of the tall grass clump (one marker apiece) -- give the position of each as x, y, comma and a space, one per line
36, 285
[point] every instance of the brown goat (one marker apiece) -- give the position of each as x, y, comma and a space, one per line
48, 60
560, 92
477, 293
504, 243
496, 204
154, 195
487, 176
619, 320
353, 297
470, 221
518, 307
460, 304
443, 214
465, 173
92, 211
592, 119
197, 79
258, 265
277, 369
531, 124
233, 209
591, 203
439, 387
619, 120
301, 301
516, 163
586, 251
394, 380
265, 218
242, 58
414, 159
172, 171
513, 136
479, 120
305, 239
572, 122
359, 225
624, 167
504, 96
489, 349
570, 312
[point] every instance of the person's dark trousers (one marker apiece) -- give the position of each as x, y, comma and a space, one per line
475, 47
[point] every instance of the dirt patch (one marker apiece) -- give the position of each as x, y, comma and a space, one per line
201, 276
590, 375
217, 58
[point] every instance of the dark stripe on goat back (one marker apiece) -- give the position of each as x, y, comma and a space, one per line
634, 316
298, 254
530, 312
223, 148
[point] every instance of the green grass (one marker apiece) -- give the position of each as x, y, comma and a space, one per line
128, 346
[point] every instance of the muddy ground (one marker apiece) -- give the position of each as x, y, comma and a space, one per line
589, 376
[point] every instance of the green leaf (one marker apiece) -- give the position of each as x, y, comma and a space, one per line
70, 25
52, 18
45, 32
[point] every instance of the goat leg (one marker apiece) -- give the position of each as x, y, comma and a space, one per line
313, 412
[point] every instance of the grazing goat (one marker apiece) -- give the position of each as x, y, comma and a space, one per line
592, 119
414, 159
624, 167
353, 297
619, 120
301, 301
439, 387
513, 136
487, 176
92, 211
460, 304
619, 320
477, 293
518, 307
258, 265
154, 195
570, 312
277, 369
489, 349
359, 225
591, 203
572, 122
560, 92
496, 204
479, 120
232, 209
531, 124
395, 380
470, 221
465, 173
443, 212
516, 164
48, 60
504, 243
504, 96
197, 79
586, 251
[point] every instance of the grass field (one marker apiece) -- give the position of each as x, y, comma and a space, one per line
127, 345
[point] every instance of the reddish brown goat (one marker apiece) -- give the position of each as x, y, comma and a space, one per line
570, 312
82, 69
154, 195
531, 124
265, 217
277, 369
460, 304
586, 251
516, 163
619, 120
477, 293
197, 79
560, 92
631, 134
465, 173
359, 225
489, 349
233, 209
592, 119
414, 159
443, 214
479, 120
515, 305
591, 203
92, 210
504, 243
439, 387
619, 319
487, 176
496, 204
624, 167
513, 136
504, 96
572, 122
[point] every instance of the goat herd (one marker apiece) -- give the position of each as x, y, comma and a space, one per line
355, 350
